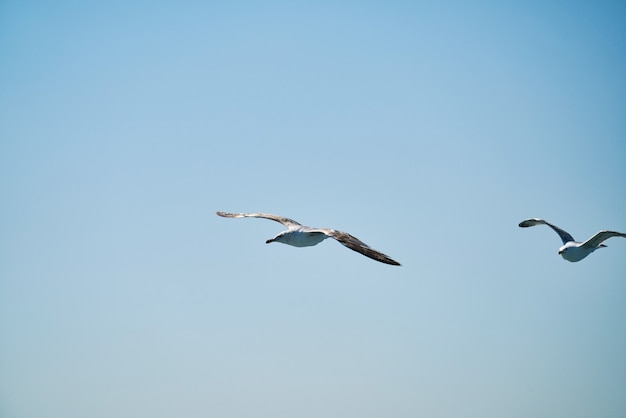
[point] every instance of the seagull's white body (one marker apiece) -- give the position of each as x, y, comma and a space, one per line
573, 250
299, 238
298, 235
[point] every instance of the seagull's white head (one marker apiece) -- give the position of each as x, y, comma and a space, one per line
283, 237
567, 248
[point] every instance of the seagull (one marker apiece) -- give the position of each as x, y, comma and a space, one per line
299, 235
573, 250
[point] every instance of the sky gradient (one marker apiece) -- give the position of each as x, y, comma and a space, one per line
429, 130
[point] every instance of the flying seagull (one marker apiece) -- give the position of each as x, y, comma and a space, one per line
573, 250
299, 235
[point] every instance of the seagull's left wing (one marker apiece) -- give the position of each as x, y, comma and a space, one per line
289, 223
599, 238
357, 245
565, 237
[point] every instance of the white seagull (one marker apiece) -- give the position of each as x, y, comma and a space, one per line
299, 235
573, 250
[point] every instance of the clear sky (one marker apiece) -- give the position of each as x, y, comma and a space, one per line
427, 129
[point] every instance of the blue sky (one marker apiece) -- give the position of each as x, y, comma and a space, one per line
427, 129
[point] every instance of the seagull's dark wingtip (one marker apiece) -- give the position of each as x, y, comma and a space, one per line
390, 262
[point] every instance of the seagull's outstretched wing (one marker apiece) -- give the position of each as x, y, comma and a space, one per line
599, 238
357, 245
565, 237
285, 221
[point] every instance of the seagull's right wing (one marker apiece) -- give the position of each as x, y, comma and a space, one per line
565, 237
357, 245
285, 221
600, 237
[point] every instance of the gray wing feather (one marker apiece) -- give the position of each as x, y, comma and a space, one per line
285, 221
600, 237
565, 237
359, 246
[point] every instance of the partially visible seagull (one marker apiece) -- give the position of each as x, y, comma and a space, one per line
573, 250
299, 235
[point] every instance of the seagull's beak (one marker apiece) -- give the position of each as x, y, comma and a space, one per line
560, 252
